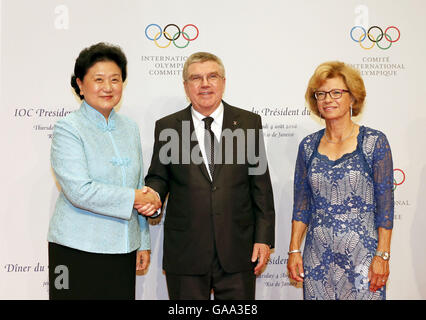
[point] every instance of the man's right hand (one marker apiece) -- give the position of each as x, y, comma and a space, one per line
147, 201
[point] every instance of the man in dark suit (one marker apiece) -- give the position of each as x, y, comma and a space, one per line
220, 220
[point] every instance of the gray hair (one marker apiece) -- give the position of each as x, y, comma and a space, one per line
202, 57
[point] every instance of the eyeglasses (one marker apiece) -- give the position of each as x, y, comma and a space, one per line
334, 94
212, 78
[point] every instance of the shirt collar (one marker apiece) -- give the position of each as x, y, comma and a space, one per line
216, 115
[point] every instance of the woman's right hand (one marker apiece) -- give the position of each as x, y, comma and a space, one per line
146, 201
295, 266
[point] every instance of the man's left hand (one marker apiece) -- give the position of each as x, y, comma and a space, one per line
261, 253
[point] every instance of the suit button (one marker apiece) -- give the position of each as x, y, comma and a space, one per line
214, 188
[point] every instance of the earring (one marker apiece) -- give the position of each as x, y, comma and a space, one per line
351, 110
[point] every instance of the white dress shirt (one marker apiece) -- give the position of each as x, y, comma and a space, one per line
216, 127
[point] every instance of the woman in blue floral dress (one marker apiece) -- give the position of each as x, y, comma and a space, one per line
342, 195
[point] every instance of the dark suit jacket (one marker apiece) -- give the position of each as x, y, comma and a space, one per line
226, 215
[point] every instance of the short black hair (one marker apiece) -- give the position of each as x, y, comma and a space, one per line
98, 52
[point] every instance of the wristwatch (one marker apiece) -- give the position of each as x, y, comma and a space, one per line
383, 254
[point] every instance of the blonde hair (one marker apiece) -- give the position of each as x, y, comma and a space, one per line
332, 69
202, 57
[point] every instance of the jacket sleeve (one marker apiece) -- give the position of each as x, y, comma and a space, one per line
69, 163
143, 222
261, 192
158, 174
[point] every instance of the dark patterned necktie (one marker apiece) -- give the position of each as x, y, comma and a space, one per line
209, 143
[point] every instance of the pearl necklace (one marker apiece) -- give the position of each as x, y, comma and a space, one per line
350, 134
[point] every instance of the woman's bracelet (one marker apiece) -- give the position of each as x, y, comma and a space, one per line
294, 251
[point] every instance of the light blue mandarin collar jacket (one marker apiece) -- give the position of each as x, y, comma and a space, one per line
98, 165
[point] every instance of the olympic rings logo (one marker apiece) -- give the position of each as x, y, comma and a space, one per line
376, 39
154, 35
401, 178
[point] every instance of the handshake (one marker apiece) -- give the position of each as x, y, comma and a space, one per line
147, 201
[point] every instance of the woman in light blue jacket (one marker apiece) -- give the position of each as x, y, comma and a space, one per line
96, 238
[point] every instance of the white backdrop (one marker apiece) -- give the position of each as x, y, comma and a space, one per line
269, 49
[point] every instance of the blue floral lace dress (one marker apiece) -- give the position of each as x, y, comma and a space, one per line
343, 202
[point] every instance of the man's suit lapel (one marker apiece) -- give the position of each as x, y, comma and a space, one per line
231, 122
187, 116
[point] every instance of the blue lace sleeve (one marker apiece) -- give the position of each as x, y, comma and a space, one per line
302, 190
383, 183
